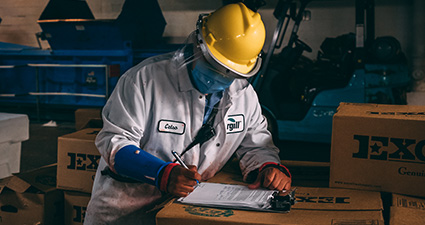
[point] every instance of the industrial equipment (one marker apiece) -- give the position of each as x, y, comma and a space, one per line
299, 96
86, 55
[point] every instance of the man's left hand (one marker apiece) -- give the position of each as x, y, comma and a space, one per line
272, 178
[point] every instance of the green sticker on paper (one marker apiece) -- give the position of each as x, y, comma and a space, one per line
208, 212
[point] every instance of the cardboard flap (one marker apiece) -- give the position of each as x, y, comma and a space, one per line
43, 178
17, 184
336, 199
405, 112
87, 134
3, 183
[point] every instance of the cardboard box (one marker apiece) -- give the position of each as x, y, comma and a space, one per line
88, 118
31, 198
78, 159
314, 206
75, 207
304, 173
379, 147
407, 210
14, 128
307, 173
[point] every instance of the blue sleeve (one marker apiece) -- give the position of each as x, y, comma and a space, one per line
133, 162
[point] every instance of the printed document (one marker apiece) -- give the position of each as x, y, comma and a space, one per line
229, 196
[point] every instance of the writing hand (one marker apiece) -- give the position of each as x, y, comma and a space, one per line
182, 181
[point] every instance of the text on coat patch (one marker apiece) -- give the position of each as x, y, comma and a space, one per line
169, 126
235, 123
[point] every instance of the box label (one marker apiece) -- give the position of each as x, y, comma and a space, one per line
82, 161
79, 213
322, 199
355, 222
390, 148
410, 203
208, 212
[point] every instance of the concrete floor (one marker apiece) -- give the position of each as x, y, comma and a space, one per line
41, 148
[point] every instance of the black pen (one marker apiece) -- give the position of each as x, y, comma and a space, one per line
176, 155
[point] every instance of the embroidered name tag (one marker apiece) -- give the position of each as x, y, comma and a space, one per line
169, 126
235, 123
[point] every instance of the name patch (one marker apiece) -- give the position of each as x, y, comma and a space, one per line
169, 126
235, 123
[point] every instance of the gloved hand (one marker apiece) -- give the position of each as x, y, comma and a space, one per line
181, 181
273, 178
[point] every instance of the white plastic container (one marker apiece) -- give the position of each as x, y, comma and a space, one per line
14, 129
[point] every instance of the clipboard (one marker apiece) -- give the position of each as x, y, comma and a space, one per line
233, 196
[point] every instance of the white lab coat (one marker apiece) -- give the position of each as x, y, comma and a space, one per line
156, 107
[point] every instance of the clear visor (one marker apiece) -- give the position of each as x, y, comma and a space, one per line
195, 48
191, 52
187, 56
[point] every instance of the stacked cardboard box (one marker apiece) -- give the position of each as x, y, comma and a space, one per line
75, 207
406, 210
88, 118
314, 206
31, 198
78, 159
14, 129
379, 148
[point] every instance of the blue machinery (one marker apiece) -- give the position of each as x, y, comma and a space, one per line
61, 77
299, 96
86, 58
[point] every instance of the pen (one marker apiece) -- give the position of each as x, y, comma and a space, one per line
176, 155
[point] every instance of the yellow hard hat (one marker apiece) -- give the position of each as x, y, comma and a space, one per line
232, 37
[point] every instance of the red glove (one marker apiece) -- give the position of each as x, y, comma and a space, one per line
179, 181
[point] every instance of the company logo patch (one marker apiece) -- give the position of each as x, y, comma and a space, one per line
169, 126
208, 212
235, 123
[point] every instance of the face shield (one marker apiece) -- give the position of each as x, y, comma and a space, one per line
206, 78
195, 48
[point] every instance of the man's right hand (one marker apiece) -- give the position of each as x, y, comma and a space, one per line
182, 181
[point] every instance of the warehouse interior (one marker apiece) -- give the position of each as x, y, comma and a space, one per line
60, 61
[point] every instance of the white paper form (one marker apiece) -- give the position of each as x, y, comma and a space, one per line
229, 196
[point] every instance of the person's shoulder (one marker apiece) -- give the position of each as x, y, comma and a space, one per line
241, 88
157, 59
152, 63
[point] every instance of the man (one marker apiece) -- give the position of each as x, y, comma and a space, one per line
195, 101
